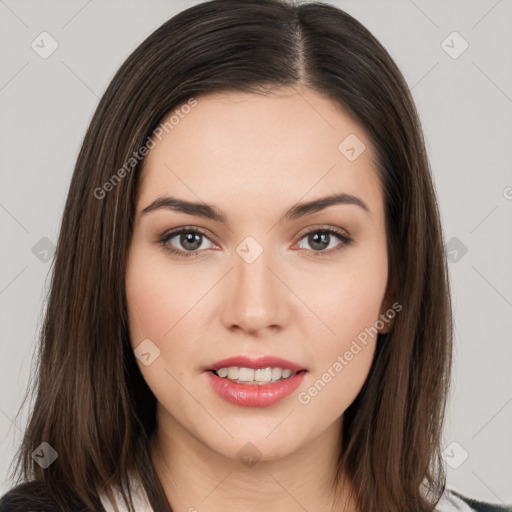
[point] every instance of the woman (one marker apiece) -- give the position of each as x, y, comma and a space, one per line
250, 304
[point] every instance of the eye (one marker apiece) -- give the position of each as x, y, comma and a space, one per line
322, 240
190, 239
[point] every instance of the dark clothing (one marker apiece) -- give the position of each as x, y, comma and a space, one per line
34, 497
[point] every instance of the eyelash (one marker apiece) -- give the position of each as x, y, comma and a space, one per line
345, 240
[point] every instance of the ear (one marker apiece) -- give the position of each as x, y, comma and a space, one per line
388, 310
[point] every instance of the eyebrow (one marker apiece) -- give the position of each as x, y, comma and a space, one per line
211, 212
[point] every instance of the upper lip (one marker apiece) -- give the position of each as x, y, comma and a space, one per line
256, 362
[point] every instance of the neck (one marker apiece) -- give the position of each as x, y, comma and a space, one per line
197, 478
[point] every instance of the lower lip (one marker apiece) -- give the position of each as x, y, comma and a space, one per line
255, 395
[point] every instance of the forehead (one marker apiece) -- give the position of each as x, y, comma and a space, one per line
278, 147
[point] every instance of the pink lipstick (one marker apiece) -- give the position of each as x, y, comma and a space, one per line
255, 382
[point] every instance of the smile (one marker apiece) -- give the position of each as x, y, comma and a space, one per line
254, 382
253, 376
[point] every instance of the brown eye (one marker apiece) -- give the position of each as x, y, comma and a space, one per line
319, 240
190, 241
324, 240
184, 242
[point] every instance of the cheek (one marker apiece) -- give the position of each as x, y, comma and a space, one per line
348, 304
147, 304
158, 296
164, 306
342, 358
152, 312
346, 297
159, 314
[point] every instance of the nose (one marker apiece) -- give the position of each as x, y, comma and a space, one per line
255, 297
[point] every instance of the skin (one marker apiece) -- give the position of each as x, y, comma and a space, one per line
253, 157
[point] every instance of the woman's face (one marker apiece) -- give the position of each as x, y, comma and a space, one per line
264, 277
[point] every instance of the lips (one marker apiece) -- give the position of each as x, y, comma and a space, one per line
247, 395
256, 363
251, 395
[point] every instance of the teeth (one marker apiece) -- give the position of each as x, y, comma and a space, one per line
233, 373
277, 373
246, 374
263, 375
250, 376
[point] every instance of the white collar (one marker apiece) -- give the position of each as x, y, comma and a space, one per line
139, 497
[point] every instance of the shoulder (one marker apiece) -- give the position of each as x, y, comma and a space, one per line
35, 495
454, 501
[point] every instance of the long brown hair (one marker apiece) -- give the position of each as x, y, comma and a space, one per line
91, 403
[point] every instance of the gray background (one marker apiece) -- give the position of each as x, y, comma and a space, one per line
465, 105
